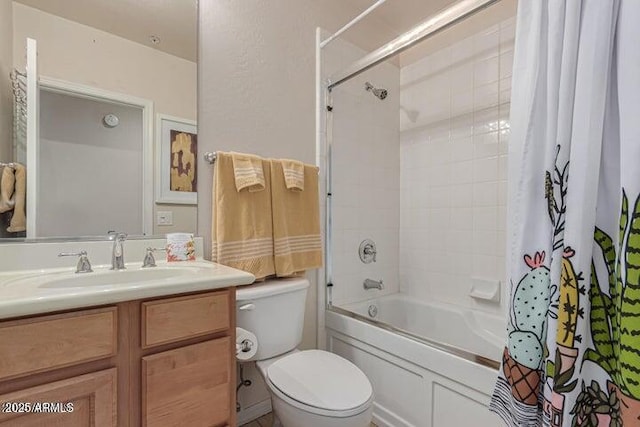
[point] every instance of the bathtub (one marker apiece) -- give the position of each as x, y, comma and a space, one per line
431, 365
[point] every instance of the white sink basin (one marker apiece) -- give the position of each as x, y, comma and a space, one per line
40, 291
110, 277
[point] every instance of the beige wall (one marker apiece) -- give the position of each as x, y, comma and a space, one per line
257, 95
6, 62
81, 54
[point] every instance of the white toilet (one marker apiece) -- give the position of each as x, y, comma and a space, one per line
311, 388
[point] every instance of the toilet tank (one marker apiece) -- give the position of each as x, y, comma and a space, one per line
274, 312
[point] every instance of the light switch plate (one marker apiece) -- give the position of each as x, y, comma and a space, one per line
164, 218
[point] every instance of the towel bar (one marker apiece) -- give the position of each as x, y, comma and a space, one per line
210, 157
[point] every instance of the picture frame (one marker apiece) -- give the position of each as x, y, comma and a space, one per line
176, 160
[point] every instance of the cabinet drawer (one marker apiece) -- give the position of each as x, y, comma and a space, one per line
189, 386
87, 400
175, 319
48, 342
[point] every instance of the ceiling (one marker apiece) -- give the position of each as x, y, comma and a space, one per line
395, 17
174, 22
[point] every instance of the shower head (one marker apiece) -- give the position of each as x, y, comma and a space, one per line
379, 93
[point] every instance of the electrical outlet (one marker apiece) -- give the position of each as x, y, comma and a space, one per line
164, 218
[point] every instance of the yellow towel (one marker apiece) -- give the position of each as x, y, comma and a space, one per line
248, 172
293, 174
18, 221
296, 222
242, 228
7, 187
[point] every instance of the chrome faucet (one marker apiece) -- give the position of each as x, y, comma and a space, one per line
117, 251
373, 284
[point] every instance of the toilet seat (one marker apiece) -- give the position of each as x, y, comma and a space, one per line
321, 383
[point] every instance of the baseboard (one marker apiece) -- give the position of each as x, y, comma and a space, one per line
254, 412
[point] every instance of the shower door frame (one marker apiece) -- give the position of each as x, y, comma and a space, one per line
324, 125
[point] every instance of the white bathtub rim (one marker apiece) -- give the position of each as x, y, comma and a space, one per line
497, 337
467, 372
375, 294
357, 310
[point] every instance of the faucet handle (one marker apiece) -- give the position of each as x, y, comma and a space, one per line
149, 259
367, 251
84, 265
371, 251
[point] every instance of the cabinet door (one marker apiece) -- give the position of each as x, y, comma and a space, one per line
85, 401
189, 386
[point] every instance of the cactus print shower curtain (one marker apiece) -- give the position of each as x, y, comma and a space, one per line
573, 352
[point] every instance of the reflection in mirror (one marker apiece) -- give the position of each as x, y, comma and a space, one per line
99, 141
104, 76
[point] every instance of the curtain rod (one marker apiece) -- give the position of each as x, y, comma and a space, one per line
432, 25
351, 23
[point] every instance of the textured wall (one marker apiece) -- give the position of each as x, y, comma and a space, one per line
6, 64
81, 54
257, 94
454, 122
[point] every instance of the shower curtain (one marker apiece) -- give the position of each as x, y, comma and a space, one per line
573, 351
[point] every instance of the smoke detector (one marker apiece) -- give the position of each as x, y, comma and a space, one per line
111, 120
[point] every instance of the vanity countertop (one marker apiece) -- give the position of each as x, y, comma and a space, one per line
30, 292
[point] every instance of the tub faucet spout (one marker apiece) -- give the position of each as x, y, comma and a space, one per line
373, 284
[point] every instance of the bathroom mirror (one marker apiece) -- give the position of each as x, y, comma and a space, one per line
115, 116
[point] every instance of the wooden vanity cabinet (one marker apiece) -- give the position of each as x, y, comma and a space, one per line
86, 400
167, 361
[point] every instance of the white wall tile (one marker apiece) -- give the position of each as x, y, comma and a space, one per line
487, 71
462, 102
485, 169
485, 218
424, 172
485, 193
462, 149
462, 195
453, 162
461, 172
486, 95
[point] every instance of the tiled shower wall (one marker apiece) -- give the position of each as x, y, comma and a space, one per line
365, 179
454, 131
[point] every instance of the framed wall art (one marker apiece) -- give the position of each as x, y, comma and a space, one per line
177, 154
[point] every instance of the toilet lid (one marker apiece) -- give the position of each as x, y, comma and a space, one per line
321, 379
